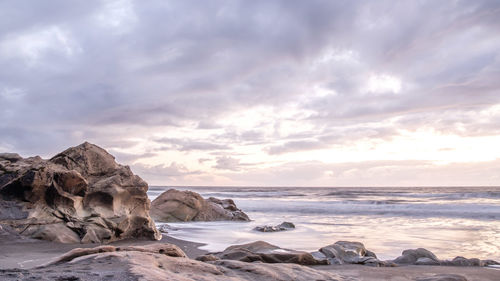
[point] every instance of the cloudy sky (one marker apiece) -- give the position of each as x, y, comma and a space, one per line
295, 93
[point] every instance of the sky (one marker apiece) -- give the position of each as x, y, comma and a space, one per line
259, 93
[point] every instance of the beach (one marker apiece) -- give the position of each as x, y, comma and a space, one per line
449, 221
27, 254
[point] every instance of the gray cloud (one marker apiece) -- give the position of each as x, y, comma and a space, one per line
189, 145
106, 70
227, 163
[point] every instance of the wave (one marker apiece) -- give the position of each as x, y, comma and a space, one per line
371, 208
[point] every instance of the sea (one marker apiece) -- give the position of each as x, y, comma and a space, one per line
448, 221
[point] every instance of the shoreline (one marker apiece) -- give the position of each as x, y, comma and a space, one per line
25, 254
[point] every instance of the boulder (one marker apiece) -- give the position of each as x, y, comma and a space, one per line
342, 252
422, 256
164, 262
280, 227
411, 256
174, 206
461, 261
261, 251
79, 195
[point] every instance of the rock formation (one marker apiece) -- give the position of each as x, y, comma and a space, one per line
159, 262
342, 252
80, 195
263, 252
174, 206
422, 256
274, 228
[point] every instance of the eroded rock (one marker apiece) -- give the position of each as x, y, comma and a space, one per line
342, 252
261, 251
150, 263
80, 195
174, 205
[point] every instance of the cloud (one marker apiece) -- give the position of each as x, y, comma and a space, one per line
261, 81
174, 172
190, 145
227, 163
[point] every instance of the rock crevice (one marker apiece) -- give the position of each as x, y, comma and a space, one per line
79, 195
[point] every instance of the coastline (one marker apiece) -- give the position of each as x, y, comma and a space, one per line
25, 254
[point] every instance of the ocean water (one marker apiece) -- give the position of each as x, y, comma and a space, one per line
449, 221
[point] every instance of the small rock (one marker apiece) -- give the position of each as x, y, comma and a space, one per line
280, 227
207, 257
164, 228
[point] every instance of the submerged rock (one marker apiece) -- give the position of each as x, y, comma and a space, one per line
159, 262
80, 195
261, 251
280, 227
174, 205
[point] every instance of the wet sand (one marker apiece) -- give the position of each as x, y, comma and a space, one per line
410, 272
25, 253
22, 252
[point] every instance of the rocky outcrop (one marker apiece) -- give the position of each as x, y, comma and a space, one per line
174, 205
163, 262
274, 228
342, 252
261, 251
80, 195
422, 256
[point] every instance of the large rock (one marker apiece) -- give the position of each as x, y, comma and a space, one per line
264, 252
80, 195
422, 256
174, 205
412, 256
164, 262
342, 252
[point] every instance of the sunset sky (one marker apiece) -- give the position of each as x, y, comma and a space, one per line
265, 93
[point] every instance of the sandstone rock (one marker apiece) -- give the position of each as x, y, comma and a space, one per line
264, 252
174, 205
280, 227
143, 263
80, 195
342, 252
443, 277
412, 255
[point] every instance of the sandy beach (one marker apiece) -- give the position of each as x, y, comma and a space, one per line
24, 254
